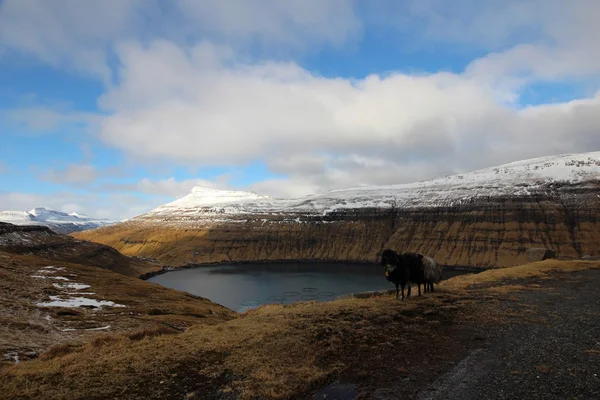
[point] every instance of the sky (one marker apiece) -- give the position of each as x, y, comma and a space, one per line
111, 108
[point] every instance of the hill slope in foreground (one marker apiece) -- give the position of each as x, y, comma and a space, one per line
485, 218
57, 290
504, 323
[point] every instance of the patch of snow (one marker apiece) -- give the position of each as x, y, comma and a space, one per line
58, 278
72, 302
52, 267
13, 356
102, 328
74, 286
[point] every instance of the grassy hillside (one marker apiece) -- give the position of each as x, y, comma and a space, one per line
279, 351
28, 327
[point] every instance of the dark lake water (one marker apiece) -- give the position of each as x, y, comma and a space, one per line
245, 286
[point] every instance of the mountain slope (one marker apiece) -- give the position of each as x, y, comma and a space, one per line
56, 289
487, 218
57, 221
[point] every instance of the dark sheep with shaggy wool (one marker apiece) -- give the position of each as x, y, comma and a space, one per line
406, 268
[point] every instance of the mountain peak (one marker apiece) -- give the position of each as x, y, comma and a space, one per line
56, 220
522, 178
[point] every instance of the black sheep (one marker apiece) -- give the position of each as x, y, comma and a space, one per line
403, 269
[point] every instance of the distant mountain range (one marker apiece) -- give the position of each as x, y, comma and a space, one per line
488, 217
59, 222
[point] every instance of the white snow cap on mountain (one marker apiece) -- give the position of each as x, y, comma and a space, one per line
57, 221
515, 179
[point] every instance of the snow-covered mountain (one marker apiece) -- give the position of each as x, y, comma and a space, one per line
515, 179
59, 222
488, 217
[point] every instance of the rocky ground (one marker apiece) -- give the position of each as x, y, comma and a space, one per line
552, 353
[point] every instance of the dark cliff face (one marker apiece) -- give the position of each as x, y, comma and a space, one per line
496, 231
484, 231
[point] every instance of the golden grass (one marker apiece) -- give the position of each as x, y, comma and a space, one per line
150, 309
274, 351
540, 269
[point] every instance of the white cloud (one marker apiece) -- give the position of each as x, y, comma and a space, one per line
80, 34
39, 120
188, 106
66, 33
165, 187
72, 174
296, 23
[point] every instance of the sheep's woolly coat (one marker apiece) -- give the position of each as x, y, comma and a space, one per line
432, 271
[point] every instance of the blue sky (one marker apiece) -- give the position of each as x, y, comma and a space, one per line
112, 108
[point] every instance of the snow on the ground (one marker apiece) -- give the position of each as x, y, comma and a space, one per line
13, 356
102, 328
74, 286
522, 178
58, 278
52, 267
72, 302
47, 273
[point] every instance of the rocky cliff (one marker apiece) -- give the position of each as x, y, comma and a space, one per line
483, 218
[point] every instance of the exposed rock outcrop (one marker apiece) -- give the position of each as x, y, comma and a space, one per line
539, 254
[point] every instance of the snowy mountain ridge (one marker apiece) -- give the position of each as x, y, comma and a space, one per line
58, 221
521, 178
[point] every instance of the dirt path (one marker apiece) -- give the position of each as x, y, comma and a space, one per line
554, 355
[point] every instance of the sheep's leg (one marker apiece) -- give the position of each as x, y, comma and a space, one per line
431, 287
397, 292
408, 291
419, 288
403, 298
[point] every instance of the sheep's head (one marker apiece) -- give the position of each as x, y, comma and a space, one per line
389, 259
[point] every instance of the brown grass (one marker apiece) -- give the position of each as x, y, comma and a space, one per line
275, 351
540, 269
25, 327
58, 350
151, 332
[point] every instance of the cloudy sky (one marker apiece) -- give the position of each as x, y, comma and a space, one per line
113, 107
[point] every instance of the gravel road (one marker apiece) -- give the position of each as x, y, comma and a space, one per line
552, 354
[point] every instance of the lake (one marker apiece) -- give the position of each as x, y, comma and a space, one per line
244, 286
